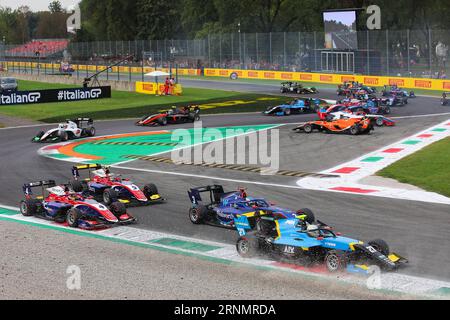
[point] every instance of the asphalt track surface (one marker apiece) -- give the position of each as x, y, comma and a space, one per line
414, 229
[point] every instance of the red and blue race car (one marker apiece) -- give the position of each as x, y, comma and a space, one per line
108, 187
63, 205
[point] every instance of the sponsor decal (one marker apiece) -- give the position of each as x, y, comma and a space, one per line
223, 72
306, 76
287, 76
210, 72
55, 95
326, 78
253, 74
147, 87
446, 85
270, 75
347, 79
397, 82
371, 81
423, 84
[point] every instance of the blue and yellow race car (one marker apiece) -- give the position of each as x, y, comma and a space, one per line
296, 106
222, 209
303, 240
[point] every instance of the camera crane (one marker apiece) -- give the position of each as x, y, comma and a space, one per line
94, 77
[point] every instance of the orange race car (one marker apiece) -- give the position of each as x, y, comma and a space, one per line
354, 126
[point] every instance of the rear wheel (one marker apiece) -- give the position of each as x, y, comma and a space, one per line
76, 185
381, 246
90, 131
109, 196
335, 261
28, 208
72, 217
247, 247
198, 214
354, 130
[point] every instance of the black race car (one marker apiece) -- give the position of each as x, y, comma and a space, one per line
295, 87
396, 99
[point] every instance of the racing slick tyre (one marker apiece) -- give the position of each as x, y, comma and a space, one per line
150, 190
76, 186
28, 208
287, 112
310, 218
335, 261
118, 209
90, 132
387, 110
109, 196
198, 214
379, 122
307, 128
72, 217
381, 246
64, 136
354, 130
162, 121
39, 135
247, 247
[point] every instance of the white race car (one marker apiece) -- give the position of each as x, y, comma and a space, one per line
379, 120
71, 129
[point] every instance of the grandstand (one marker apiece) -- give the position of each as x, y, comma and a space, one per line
45, 48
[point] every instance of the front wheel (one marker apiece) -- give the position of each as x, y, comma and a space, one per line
380, 122
381, 246
247, 247
64, 136
109, 196
354, 130
150, 190
308, 128
118, 209
162, 121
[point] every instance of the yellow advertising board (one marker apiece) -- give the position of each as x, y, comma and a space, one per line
156, 88
412, 83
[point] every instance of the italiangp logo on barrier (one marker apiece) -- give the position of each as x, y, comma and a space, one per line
55, 95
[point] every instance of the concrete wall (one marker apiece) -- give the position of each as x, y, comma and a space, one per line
115, 85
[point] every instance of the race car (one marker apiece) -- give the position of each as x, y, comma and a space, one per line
396, 99
305, 241
173, 116
444, 100
221, 208
294, 107
394, 90
346, 124
66, 68
378, 120
352, 88
69, 130
295, 87
107, 187
65, 205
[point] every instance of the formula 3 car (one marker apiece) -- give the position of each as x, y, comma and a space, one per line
107, 187
221, 208
295, 87
69, 130
173, 116
64, 205
351, 125
378, 120
296, 106
397, 99
304, 241
394, 90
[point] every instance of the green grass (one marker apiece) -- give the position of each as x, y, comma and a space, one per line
428, 169
134, 105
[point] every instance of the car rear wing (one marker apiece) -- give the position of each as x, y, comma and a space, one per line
215, 191
81, 121
27, 187
76, 169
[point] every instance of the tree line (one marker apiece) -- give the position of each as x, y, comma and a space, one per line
181, 19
